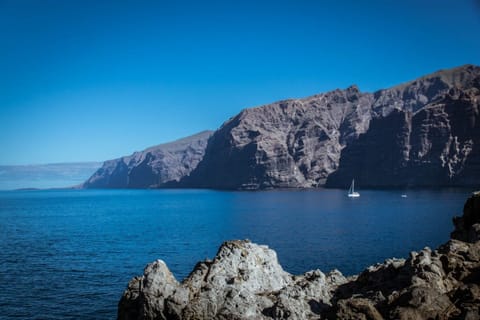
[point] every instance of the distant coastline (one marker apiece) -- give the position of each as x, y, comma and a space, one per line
45, 176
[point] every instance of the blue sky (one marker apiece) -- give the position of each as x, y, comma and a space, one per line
93, 80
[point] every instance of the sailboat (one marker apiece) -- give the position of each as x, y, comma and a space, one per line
351, 191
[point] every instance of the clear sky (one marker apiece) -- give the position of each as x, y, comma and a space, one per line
89, 80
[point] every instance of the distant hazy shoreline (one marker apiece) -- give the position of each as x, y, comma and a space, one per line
45, 176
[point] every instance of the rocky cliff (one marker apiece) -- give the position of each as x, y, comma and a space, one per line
154, 167
421, 133
437, 144
291, 143
245, 281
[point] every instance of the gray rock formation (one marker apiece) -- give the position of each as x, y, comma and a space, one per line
421, 133
437, 144
287, 144
245, 281
425, 132
154, 167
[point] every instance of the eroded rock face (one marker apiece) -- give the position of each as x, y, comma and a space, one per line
422, 133
467, 226
290, 144
245, 281
154, 167
436, 145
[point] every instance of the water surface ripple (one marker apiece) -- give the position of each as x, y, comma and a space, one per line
70, 254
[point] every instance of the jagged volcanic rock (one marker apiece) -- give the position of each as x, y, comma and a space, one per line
154, 167
434, 145
422, 133
291, 143
245, 281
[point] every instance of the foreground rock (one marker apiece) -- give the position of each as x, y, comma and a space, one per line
153, 167
245, 281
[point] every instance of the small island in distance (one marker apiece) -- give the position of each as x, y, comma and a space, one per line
423, 133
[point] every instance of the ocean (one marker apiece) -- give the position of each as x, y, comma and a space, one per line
69, 254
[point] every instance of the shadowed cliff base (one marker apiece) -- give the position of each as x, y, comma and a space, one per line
245, 281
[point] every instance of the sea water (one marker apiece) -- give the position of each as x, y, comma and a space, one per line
70, 254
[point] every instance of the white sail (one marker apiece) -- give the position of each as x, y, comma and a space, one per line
351, 191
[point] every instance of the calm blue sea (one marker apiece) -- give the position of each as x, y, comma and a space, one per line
70, 254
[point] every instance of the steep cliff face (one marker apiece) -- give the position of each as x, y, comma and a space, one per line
153, 167
421, 133
291, 143
424, 132
434, 145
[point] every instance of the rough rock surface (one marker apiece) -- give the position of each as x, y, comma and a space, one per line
154, 167
421, 133
434, 145
245, 281
289, 144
